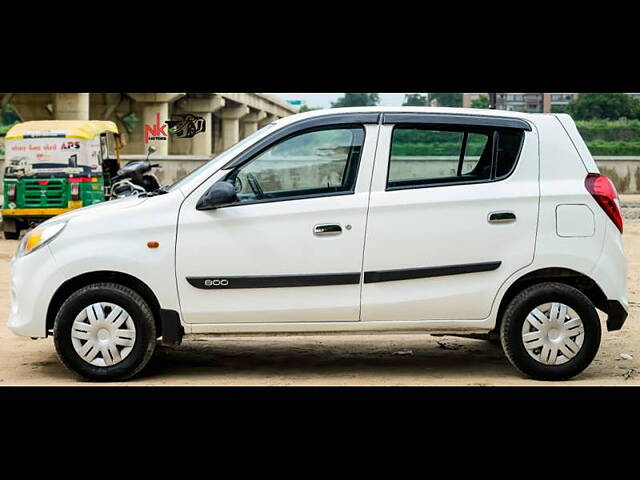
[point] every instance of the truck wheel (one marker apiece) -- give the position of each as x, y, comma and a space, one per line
550, 331
105, 332
10, 229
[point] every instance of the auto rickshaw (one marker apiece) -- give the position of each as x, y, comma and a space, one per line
55, 166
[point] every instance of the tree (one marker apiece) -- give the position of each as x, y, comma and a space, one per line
481, 102
8, 116
446, 99
415, 100
305, 108
608, 106
356, 100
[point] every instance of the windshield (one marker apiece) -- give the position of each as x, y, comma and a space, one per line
235, 149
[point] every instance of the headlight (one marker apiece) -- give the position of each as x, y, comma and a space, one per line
40, 236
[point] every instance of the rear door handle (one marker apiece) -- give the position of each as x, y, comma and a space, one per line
327, 229
502, 217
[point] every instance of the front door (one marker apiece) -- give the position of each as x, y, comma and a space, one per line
453, 214
290, 248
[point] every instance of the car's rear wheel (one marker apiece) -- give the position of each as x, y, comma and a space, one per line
105, 331
550, 331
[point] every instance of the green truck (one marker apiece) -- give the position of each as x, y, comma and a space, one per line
55, 166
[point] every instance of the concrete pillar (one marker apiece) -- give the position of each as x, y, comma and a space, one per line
155, 112
71, 106
230, 117
466, 100
270, 118
546, 102
250, 122
201, 143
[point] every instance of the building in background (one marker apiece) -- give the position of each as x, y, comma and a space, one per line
526, 102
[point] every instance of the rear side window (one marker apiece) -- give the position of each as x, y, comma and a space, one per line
509, 144
450, 155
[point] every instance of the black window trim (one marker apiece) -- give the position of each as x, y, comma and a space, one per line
494, 137
326, 122
309, 129
452, 119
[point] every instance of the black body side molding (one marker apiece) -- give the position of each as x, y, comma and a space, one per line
412, 273
274, 281
172, 330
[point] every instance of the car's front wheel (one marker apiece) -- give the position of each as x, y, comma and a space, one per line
550, 331
105, 332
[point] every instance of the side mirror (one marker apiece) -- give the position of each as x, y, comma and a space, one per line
151, 149
220, 194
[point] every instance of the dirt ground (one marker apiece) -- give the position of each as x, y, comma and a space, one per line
335, 360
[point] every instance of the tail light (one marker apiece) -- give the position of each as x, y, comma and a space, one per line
12, 192
604, 192
75, 191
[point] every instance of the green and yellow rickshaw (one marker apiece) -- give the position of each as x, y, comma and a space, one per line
55, 166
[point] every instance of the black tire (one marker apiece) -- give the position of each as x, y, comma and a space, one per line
11, 228
515, 316
140, 313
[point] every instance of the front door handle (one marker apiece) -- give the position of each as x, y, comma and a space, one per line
502, 217
327, 229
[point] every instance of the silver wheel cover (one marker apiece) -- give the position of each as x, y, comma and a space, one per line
103, 334
553, 333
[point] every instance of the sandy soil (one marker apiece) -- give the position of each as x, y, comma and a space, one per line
335, 360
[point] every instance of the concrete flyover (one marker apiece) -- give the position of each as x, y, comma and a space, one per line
229, 116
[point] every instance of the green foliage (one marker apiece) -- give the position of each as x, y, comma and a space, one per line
482, 102
4, 129
413, 142
305, 108
357, 100
130, 120
610, 106
447, 99
603, 147
8, 116
619, 130
415, 100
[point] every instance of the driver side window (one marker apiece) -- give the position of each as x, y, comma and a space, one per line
315, 163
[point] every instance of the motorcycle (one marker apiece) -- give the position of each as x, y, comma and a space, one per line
135, 179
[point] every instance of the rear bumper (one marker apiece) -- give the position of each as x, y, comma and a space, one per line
616, 315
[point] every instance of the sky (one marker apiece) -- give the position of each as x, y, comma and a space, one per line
323, 100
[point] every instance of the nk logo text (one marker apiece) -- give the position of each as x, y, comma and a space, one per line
157, 131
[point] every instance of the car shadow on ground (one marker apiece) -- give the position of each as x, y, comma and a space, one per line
312, 359
327, 360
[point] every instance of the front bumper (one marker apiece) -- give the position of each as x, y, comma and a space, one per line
616, 315
34, 279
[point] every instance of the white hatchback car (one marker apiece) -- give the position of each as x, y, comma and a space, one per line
469, 222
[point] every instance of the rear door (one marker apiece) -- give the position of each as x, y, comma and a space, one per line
453, 213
